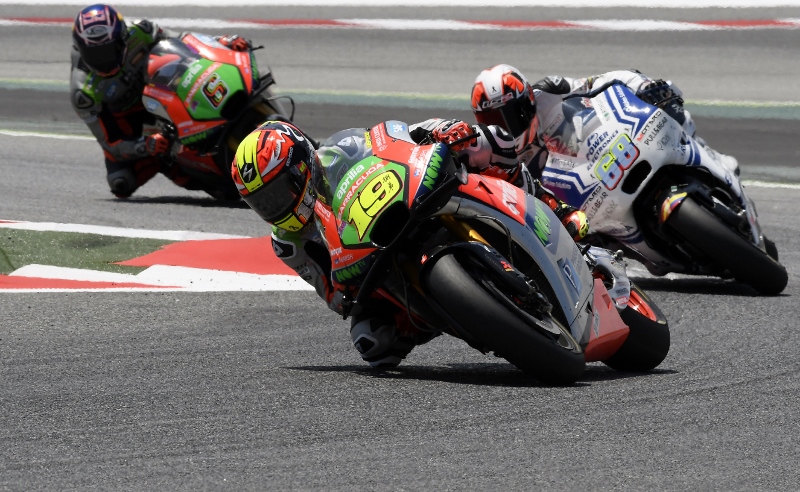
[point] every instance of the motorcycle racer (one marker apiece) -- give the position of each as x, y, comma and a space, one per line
109, 60
277, 173
502, 96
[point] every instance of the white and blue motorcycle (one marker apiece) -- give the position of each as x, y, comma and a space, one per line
649, 188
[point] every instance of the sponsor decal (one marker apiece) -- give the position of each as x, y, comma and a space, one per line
349, 176
151, 105
380, 138
397, 129
559, 163
342, 259
350, 272
497, 101
368, 140
598, 142
193, 70
432, 171
651, 129
665, 140
322, 211
599, 194
194, 138
159, 94
626, 105
572, 275
539, 223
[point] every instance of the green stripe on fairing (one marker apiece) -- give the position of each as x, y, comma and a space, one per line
718, 109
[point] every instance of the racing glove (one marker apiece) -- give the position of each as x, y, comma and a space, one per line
156, 144
235, 42
450, 131
574, 220
661, 94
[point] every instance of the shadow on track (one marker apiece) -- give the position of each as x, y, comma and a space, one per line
205, 202
698, 285
481, 374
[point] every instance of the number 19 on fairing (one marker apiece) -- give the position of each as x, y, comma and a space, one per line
372, 199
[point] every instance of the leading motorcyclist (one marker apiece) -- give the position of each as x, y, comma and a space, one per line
276, 170
109, 60
502, 96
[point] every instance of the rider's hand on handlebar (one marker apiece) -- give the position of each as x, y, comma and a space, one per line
157, 144
235, 42
452, 130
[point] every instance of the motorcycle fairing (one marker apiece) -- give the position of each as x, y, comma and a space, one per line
607, 332
190, 82
348, 265
631, 132
573, 287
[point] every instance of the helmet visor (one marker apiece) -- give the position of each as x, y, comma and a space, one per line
276, 199
514, 116
103, 58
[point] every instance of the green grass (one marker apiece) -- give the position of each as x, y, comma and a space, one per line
71, 249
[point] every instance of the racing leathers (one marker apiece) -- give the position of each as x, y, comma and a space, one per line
112, 109
382, 334
549, 92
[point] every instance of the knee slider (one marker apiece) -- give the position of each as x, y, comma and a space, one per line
122, 182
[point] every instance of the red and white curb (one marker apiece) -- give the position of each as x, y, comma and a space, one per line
196, 262
628, 25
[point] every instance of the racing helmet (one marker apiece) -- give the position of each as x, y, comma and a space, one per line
99, 33
501, 96
273, 170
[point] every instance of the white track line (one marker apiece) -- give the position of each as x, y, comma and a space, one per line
117, 231
161, 278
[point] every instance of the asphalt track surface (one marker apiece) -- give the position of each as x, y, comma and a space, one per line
246, 391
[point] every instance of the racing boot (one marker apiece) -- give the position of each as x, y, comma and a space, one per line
574, 220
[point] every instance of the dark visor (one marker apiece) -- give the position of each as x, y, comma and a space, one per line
103, 57
276, 199
515, 116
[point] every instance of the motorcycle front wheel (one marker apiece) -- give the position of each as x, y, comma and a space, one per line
703, 230
648, 340
460, 292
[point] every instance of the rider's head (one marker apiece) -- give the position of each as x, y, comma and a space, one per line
273, 169
501, 96
99, 33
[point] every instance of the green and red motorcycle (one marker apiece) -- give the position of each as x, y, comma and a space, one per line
472, 256
207, 98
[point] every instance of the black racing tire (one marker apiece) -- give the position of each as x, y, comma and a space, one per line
747, 263
492, 324
648, 341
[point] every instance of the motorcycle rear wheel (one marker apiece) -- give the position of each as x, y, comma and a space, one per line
648, 340
493, 324
708, 234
